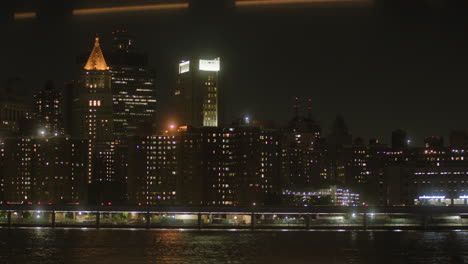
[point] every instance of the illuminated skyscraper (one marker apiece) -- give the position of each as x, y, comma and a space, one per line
93, 111
48, 109
197, 93
133, 86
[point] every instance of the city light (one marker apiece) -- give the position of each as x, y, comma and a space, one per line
184, 67
432, 197
210, 65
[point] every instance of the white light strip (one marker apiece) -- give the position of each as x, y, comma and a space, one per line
209, 65
431, 197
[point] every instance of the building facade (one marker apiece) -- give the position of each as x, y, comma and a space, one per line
205, 166
48, 109
133, 87
198, 96
44, 170
93, 110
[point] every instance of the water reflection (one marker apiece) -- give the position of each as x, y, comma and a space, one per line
46, 245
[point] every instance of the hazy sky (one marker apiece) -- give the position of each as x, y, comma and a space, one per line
381, 68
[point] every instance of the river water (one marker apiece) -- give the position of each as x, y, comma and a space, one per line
46, 245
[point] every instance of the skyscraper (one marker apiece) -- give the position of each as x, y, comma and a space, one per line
133, 86
93, 107
299, 158
48, 109
399, 140
197, 93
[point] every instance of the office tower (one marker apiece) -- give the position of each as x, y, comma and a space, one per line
48, 109
198, 96
93, 110
339, 150
133, 87
399, 140
300, 151
339, 135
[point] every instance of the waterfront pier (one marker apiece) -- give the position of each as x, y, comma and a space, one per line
356, 218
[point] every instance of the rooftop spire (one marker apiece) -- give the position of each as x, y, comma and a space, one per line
96, 59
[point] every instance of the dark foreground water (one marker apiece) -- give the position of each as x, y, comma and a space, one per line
34, 245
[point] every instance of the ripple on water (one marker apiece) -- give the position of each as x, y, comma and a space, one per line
189, 246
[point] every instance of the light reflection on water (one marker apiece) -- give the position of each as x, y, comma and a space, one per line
46, 245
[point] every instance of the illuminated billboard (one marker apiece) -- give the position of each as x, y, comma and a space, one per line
184, 66
209, 65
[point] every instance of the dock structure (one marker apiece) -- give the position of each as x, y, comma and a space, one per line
307, 218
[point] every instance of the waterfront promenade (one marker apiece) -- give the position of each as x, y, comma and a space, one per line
319, 217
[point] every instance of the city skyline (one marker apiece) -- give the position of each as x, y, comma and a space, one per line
409, 81
144, 131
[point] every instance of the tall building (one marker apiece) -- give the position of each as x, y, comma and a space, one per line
198, 95
44, 169
205, 166
300, 152
93, 109
339, 151
154, 165
133, 87
48, 109
18, 169
399, 140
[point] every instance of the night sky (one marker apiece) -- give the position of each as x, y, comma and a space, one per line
382, 68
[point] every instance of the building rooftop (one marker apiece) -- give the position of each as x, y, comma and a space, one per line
96, 61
